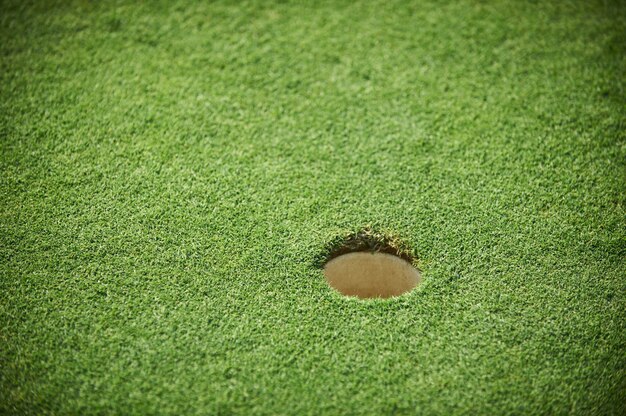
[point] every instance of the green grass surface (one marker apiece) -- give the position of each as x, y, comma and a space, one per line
170, 174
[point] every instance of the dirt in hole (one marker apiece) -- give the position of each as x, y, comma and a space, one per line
371, 274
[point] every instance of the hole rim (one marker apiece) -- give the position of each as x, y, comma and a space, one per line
368, 239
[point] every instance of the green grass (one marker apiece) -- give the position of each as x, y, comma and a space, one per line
170, 175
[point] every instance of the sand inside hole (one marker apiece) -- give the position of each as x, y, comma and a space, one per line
371, 275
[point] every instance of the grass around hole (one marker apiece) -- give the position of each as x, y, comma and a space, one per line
175, 174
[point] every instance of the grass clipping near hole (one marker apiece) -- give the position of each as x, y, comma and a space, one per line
366, 240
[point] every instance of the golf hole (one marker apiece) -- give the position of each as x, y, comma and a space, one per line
371, 275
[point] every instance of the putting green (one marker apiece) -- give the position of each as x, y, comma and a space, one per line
173, 174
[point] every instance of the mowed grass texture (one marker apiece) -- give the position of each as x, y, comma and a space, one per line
172, 172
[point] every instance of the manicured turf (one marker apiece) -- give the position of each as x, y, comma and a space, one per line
171, 174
